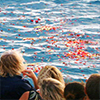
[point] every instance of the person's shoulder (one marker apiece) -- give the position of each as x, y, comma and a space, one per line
20, 79
25, 81
21, 83
25, 84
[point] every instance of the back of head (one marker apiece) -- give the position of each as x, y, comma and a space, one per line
74, 91
50, 71
93, 87
52, 89
11, 63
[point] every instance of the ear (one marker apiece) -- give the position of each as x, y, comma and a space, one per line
85, 90
86, 97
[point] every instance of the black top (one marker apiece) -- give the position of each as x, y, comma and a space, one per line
12, 88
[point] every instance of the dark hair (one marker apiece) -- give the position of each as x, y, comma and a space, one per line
93, 87
74, 90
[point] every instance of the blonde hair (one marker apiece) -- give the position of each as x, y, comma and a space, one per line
52, 89
50, 72
11, 62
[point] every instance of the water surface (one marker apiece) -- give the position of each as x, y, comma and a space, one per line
62, 33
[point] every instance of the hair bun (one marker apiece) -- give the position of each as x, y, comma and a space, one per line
70, 96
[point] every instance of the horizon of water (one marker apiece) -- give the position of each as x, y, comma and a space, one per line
72, 44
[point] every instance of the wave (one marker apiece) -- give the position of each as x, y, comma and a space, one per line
95, 2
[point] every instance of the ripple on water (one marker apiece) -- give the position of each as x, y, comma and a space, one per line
62, 33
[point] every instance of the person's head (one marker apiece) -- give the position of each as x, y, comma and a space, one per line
50, 71
93, 87
74, 91
52, 89
11, 62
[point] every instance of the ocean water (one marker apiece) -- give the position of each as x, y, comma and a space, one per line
62, 33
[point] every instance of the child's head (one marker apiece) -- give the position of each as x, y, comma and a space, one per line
52, 89
93, 87
50, 71
11, 62
74, 91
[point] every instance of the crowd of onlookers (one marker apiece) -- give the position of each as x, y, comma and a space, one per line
49, 85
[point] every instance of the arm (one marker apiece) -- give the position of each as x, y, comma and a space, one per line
35, 81
24, 96
31, 74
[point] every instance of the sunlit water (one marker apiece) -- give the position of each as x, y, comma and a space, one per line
71, 41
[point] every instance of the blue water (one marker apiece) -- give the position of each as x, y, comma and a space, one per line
76, 28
